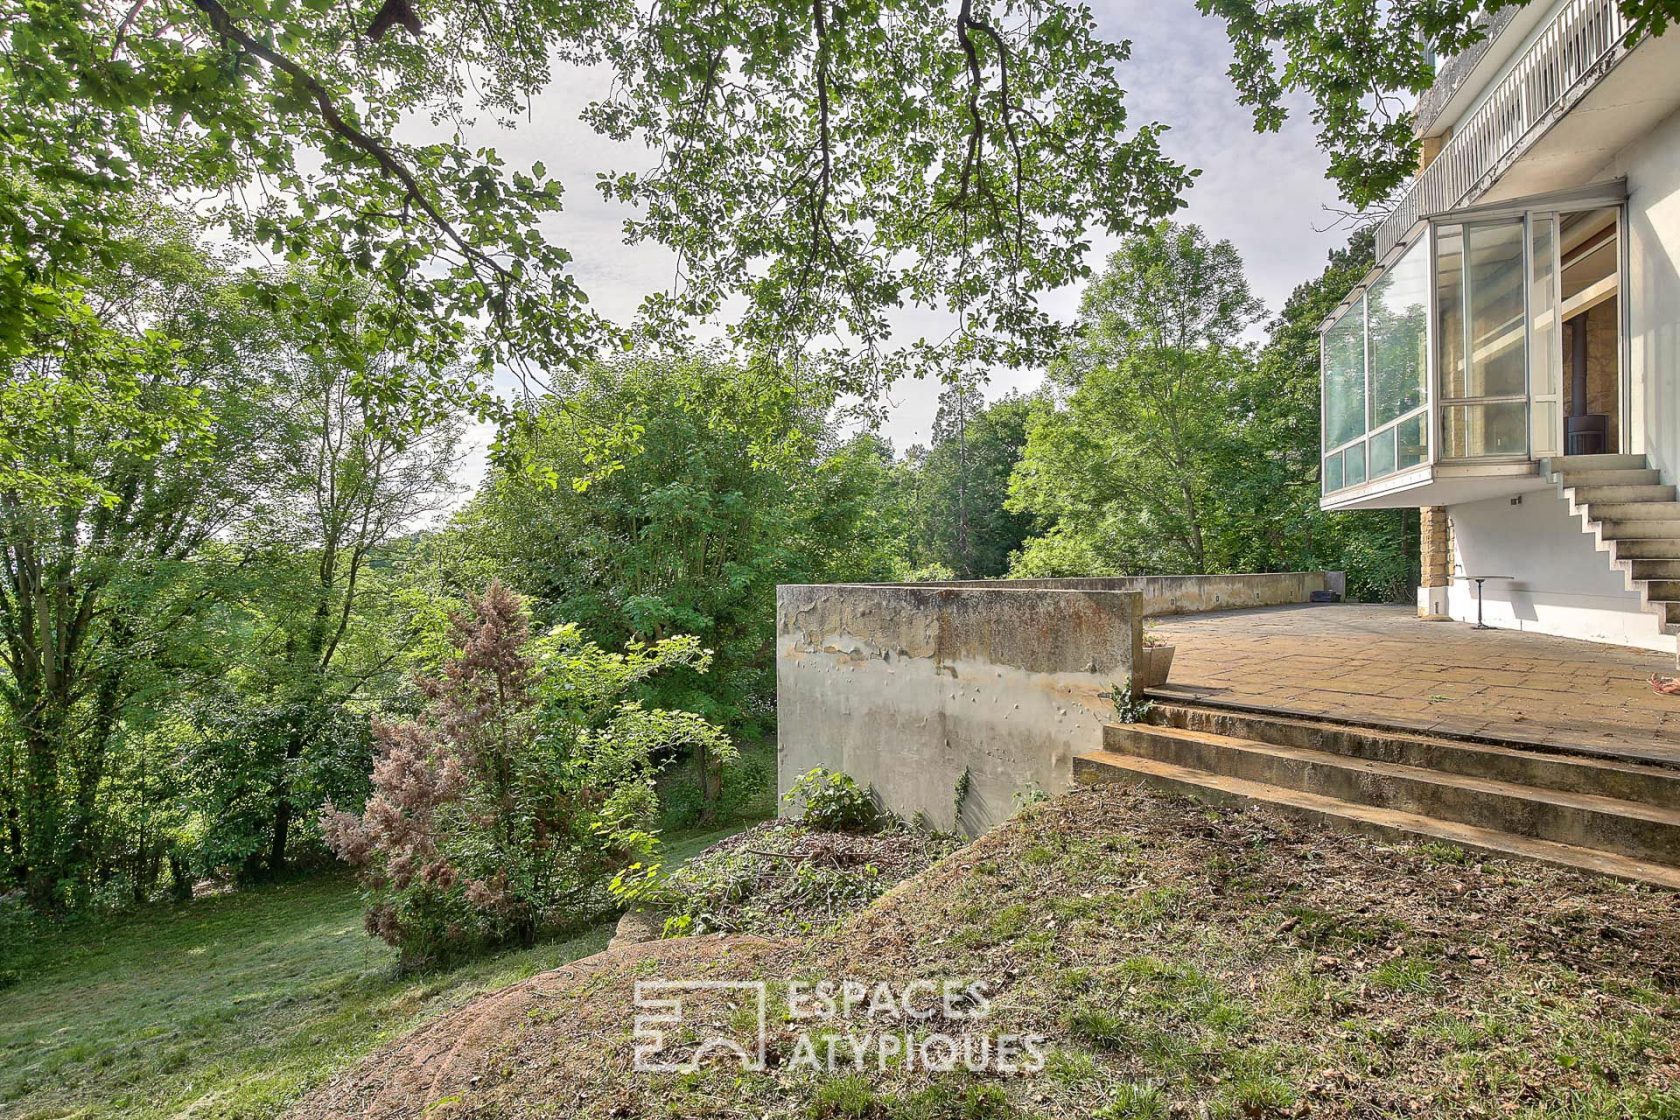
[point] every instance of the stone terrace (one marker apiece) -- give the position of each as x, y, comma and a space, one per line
1383, 665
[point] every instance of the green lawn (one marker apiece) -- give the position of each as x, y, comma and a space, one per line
225, 1007
228, 1006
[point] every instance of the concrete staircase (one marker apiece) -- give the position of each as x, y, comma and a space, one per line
1611, 817
1623, 503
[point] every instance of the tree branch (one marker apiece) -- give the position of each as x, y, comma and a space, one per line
222, 23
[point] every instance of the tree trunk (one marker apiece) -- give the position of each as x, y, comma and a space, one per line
42, 820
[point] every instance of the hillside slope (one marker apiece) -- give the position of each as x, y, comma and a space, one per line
1178, 960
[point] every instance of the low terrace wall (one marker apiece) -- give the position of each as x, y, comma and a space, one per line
1163, 595
908, 687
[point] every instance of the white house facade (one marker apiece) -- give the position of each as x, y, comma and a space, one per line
1512, 364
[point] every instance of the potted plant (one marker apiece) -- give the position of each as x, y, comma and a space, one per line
1157, 660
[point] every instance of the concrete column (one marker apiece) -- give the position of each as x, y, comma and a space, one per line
1437, 562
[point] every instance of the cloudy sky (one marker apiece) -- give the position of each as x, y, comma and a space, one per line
1266, 194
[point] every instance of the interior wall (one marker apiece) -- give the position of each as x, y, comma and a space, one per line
1604, 369
1562, 584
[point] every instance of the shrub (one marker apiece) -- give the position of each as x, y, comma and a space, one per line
501, 814
833, 802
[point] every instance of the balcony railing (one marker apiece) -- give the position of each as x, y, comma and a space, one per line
1571, 52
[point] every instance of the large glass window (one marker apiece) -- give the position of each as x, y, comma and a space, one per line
1376, 377
1493, 338
1481, 283
1398, 316
1545, 365
1344, 377
1498, 343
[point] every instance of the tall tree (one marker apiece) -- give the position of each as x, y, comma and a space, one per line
354, 471
133, 413
963, 485
1127, 466
669, 495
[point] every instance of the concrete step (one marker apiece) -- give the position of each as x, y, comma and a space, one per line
1650, 570
1641, 529
1610, 495
1668, 611
1580, 480
1568, 463
1098, 767
1663, 590
1571, 773
1634, 511
1652, 549
1628, 828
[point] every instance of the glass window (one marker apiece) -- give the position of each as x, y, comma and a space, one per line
1449, 306
1381, 448
1344, 377
1333, 472
1495, 279
1412, 441
1472, 431
1482, 285
1397, 310
1545, 346
1353, 464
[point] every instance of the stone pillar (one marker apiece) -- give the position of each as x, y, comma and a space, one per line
1429, 147
1436, 534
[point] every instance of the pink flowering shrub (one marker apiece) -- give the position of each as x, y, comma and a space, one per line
504, 812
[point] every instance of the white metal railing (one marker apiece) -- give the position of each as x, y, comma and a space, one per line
1568, 51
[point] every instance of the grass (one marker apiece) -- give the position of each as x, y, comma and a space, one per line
229, 1006
225, 1007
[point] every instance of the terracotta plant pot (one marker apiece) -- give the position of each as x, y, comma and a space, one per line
1157, 663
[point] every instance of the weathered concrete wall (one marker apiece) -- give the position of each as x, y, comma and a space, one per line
1163, 595
905, 686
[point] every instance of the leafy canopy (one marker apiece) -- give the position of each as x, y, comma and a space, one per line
1361, 62
820, 164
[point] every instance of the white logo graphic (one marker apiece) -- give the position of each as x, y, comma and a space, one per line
660, 1043
829, 1025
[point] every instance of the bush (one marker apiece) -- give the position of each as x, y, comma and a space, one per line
833, 802
781, 879
502, 814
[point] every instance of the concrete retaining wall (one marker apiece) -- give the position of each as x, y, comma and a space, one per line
1163, 595
904, 687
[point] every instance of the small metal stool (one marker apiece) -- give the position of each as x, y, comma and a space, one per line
1478, 581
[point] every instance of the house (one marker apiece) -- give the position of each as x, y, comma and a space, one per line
1511, 367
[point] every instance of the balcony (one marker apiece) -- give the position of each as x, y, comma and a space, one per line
1489, 340
1570, 55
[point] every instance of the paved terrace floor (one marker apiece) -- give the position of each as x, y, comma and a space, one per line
1382, 664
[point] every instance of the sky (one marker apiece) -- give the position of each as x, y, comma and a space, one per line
1266, 194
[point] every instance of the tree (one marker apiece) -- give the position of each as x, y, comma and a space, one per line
1127, 468
1362, 63
133, 410
1277, 488
191, 492
502, 813
355, 470
821, 164
669, 494
1198, 457
963, 486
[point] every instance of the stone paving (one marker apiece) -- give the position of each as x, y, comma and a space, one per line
1384, 665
